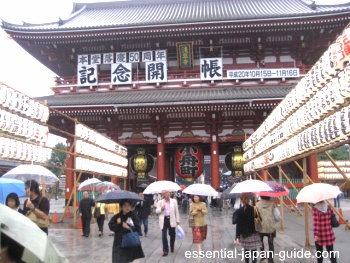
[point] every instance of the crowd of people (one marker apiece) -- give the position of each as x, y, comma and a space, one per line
133, 214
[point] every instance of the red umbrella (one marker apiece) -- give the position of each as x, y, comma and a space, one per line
277, 190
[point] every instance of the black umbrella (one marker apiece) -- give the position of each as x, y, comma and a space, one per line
226, 194
143, 185
117, 196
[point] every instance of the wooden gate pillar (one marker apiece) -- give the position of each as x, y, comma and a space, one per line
161, 159
312, 168
214, 160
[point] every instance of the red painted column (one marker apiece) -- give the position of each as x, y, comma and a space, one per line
312, 168
214, 159
69, 173
263, 175
161, 160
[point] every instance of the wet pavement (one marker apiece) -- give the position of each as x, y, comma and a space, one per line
219, 245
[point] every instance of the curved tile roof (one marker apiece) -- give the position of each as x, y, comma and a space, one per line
136, 13
167, 97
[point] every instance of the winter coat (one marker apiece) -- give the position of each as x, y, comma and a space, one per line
124, 254
265, 208
245, 222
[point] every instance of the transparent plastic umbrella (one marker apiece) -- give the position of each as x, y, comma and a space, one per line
88, 184
38, 247
251, 186
25, 172
317, 192
200, 189
159, 186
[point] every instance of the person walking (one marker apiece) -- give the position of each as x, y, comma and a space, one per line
12, 201
265, 207
120, 224
337, 199
245, 229
323, 231
85, 213
38, 204
143, 210
198, 210
169, 218
100, 215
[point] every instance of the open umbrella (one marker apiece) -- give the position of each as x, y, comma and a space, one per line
226, 194
117, 196
159, 186
38, 247
88, 183
105, 186
200, 189
317, 192
25, 172
8, 185
251, 186
277, 190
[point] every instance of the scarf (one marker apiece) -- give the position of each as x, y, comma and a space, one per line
322, 206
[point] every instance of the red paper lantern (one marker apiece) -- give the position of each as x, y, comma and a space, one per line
189, 162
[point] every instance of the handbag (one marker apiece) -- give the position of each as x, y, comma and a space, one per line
234, 217
42, 223
97, 212
257, 220
334, 221
276, 214
191, 222
130, 239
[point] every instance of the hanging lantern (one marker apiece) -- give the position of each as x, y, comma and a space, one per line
189, 162
234, 161
142, 163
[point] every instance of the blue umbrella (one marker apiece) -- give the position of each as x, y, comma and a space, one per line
9, 185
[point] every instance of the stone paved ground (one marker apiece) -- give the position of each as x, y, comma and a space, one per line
221, 235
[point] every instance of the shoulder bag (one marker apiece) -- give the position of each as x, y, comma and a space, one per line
191, 222
130, 239
97, 212
334, 221
42, 223
234, 217
276, 214
257, 220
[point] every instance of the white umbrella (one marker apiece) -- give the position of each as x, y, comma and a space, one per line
105, 186
317, 192
200, 189
87, 184
38, 247
251, 186
159, 186
25, 172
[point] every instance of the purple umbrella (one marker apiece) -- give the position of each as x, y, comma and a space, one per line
277, 190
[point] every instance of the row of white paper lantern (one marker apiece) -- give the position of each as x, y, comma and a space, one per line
328, 99
332, 61
333, 170
14, 149
94, 151
98, 167
17, 125
90, 135
326, 176
324, 133
13, 100
330, 164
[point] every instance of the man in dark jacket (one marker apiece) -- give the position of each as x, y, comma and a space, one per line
86, 213
143, 209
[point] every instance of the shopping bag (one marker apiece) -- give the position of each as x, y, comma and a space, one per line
180, 234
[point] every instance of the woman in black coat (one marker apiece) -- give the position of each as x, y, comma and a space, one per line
118, 225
